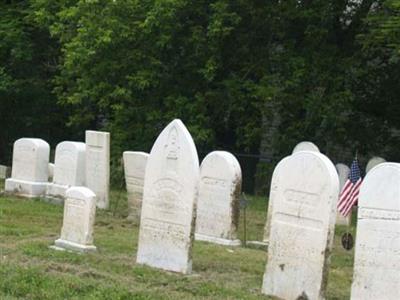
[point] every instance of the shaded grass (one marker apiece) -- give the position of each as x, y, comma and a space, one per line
30, 270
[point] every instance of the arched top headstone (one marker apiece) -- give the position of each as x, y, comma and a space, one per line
374, 161
169, 197
343, 172
218, 203
305, 146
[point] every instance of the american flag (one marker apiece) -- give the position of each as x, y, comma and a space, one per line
349, 194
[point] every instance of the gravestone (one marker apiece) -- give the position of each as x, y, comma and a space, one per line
305, 146
302, 146
51, 172
69, 168
5, 172
343, 173
98, 166
79, 217
169, 198
218, 202
134, 167
29, 173
377, 253
374, 161
304, 192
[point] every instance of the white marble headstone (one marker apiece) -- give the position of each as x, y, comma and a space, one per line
305, 146
135, 168
51, 172
374, 161
377, 252
304, 192
218, 203
169, 199
98, 166
29, 173
79, 217
343, 172
69, 168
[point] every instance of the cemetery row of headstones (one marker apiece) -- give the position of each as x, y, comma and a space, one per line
176, 200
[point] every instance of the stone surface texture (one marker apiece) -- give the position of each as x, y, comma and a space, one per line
169, 201
304, 192
134, 167
218, 202
78, 222
377, 252
305, 146
374, 161
30, 172
343, 173
98, 166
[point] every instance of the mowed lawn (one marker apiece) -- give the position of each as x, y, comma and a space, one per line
30, 270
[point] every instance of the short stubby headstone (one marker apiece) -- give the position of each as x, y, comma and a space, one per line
5, 172
305, 146
30, 172
218, 202
135, 168
304, 191
79, 217
169, 199
377, 253
343, 172
98, 166
69, 168
374, 161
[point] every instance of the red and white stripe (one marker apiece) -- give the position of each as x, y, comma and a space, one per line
349, 196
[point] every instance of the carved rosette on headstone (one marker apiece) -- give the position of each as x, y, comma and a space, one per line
377, 253
135, 168
98, 166
29, 173
218, 203
69, 168
343, 173
79, 217
169, 199
304, 190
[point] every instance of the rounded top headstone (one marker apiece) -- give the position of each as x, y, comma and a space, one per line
33, 142
380, 188
374, 161
305, 146
80, 192
219, 162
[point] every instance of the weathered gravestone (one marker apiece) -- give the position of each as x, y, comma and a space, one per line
51, 172
135, 168
305, 146
343, 172
29, 173
69, 168
304, 192
168, 207
377, 252
5, 172
374, 161
218, 202
79, 216
98, 166
302, 146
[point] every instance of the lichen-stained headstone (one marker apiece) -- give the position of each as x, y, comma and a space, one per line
29, 175
135, 167
169, 199
78, 222
343, 173
304, 191
374, 161
218, 203
69, 168
305, 146
98, 166
377, 252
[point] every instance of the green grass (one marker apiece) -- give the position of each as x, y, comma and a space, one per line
30, 270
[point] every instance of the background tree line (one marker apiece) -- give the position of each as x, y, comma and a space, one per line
248, 76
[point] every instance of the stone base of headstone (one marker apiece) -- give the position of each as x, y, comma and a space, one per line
55, 190
257, 245
63, 245
23, 188
220, 241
